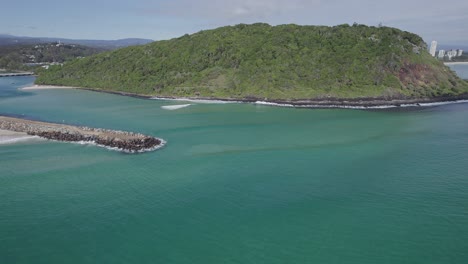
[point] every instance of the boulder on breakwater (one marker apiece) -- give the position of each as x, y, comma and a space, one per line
121, 140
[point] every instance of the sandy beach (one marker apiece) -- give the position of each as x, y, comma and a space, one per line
45, 87
10, 137
8, 133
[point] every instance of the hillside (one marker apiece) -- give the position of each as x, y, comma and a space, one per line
17, 57
262, 61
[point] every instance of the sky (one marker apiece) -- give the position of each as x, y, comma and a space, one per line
444, 21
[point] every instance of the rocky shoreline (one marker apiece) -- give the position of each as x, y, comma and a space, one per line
118, 140
362, 103
325, 102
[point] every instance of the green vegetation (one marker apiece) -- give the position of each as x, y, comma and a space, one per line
21, 57
261, 61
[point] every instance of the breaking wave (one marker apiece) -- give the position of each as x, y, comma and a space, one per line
174, 107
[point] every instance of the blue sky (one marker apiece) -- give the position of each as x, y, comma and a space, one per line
445, 21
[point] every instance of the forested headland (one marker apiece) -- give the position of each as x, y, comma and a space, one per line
273, 62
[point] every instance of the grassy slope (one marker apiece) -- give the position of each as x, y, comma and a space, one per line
282, 62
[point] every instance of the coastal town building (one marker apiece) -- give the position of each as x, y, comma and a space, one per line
441, 54
433, 48
451, 54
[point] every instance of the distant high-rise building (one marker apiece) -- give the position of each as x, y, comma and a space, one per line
451, 54
432, 51
441, 54
460, 52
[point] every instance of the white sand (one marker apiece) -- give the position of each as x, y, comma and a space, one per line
10, 137
5, 133
44, 87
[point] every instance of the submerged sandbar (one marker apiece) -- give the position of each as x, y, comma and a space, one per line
118, 140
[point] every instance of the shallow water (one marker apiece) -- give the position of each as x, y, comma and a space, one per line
236, 183
461, 70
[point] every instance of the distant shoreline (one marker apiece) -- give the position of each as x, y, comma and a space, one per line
353, 103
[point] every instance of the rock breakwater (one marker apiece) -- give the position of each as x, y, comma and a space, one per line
114, 139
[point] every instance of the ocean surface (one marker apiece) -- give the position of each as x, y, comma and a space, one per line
236, 183
461, 70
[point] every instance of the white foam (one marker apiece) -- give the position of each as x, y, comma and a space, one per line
439, 103
317, 106
93, 143
16, 139
174, 107
273, 104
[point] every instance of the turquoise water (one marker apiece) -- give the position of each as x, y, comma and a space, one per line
236, 183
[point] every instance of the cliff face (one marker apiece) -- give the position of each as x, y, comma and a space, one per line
261, 61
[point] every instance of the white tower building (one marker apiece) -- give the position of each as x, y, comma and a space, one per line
432, 51
460, 52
